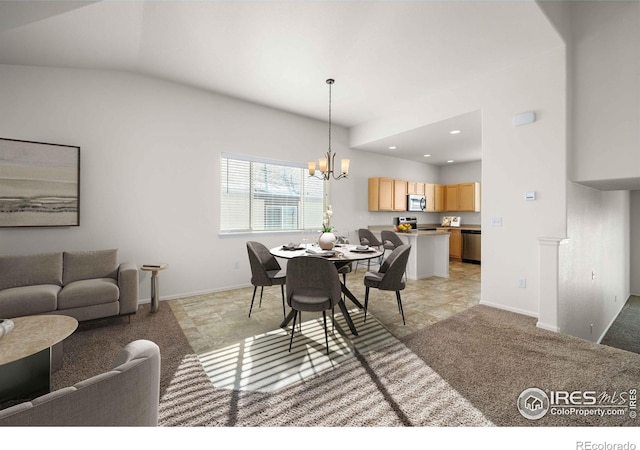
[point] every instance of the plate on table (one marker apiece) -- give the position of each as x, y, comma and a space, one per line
325, 253
292, 247
363, 249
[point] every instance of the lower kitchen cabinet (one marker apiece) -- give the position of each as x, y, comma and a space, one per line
455, 244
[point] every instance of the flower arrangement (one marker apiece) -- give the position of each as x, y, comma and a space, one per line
404, 227
326, 220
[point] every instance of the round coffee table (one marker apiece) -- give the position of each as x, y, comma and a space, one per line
25, 354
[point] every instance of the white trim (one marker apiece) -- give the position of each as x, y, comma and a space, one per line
509, 308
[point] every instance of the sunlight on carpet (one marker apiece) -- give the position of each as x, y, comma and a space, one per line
263, 363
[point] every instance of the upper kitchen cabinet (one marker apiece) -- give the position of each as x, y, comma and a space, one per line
381, 194
435, 197
415, 188
399, 195
386, 194
462, 197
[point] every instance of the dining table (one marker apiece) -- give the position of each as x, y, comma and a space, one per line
340, 255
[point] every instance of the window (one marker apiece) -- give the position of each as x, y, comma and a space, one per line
263, 195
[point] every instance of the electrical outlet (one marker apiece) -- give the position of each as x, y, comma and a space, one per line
522, 282
593, 274
236, 265
496, 221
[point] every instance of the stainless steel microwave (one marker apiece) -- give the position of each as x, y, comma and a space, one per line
416, 202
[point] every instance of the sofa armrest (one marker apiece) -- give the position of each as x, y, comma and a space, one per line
129, 287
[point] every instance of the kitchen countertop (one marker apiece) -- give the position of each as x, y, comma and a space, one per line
439, 229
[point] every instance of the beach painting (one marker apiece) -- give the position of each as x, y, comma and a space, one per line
39, 184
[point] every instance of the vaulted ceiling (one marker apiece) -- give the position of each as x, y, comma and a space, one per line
383, 54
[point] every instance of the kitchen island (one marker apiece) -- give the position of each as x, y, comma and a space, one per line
429, 255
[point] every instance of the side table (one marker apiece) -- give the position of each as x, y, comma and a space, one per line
154, 269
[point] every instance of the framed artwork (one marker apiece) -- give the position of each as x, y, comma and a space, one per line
39, 184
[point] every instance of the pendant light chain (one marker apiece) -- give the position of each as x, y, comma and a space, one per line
330, 82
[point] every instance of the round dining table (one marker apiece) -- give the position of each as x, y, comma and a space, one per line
342, 254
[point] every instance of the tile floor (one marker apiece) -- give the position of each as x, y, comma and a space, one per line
220, 319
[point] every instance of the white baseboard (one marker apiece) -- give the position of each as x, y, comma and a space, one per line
193, 294
510, 308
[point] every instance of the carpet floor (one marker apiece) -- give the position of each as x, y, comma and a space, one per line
467, 370
491, 356
624, 333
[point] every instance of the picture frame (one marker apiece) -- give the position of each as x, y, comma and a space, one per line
39, 184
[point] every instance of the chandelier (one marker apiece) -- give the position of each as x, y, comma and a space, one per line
326, 165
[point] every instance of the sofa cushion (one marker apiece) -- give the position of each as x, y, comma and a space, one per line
88, 292
88, 265
29, 270
28, 300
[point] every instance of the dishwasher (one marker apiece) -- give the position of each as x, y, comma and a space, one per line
471, 246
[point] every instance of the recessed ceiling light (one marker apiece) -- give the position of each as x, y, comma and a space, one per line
427, 156
454, 132
393, 147
450, 161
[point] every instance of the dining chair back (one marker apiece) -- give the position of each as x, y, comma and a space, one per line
312, 285
389, 277
390, 239
366, 237
265, 271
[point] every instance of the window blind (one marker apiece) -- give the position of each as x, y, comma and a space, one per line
263, 195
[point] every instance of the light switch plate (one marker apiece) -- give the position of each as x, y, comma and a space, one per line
496, 221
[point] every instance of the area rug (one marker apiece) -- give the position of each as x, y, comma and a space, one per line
491, 356
388, 386
263, 363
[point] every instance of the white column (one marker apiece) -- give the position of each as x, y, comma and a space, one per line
549, 288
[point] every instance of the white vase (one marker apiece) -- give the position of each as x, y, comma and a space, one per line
327, 241
6, 325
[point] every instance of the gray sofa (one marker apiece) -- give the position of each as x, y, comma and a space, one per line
84, 285
127, 395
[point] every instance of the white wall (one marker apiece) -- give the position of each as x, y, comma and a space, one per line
514, 160
150, 164
594, 261
635, 242
464, 173
606, 93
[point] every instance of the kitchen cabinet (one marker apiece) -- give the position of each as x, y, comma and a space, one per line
435, 197
415, 187
455, 244
451, 197
462, 197
399, 195
381, 196
469, 197
438, 198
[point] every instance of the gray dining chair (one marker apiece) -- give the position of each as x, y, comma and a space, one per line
366, 237
312, 285
389, 277
391, 240
265, 271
